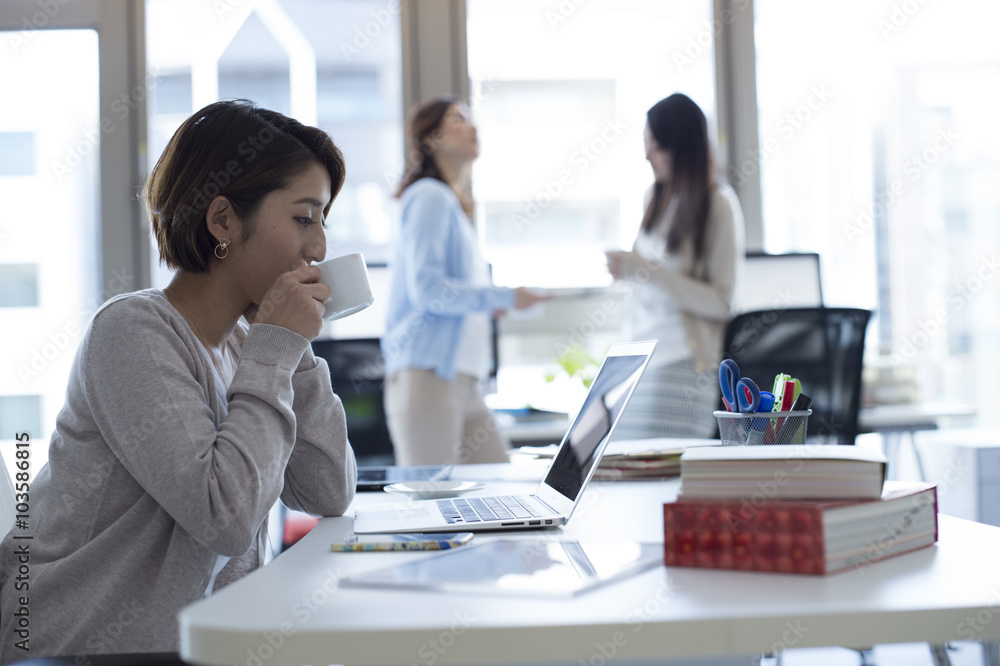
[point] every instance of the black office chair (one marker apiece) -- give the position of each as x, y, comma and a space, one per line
357, 371
822, 347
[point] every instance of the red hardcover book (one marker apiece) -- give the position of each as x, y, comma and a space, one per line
799, 536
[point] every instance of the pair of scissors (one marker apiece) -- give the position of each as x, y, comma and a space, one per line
738, 394
747, 395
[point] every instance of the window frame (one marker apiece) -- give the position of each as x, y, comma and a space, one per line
121, 48
435, 62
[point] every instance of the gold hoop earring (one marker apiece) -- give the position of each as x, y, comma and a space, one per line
222, 249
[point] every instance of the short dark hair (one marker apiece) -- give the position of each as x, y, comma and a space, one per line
233, 149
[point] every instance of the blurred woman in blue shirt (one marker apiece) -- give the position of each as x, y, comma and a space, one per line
437, 341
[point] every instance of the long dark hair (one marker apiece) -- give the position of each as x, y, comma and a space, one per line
679, 126
423, 129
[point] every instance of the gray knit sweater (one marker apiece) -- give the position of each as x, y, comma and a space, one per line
155, 469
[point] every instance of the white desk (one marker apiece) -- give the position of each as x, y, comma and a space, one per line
896, 421
292, 612
908, 418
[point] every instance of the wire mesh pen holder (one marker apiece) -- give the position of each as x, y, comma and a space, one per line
757, 428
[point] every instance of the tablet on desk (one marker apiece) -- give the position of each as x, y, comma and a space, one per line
378, 477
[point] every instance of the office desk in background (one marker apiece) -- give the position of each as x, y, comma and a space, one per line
899, 423
536, 433
292, 612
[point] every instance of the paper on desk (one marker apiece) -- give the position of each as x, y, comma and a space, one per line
633, 459
630, 448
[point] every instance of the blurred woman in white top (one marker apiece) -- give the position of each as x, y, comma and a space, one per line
683, 271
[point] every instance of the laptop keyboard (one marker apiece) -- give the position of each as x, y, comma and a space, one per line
478, 509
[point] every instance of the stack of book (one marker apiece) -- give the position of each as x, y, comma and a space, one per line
643, 464
628, 460
793, 509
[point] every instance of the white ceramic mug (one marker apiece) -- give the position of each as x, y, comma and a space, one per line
347, 276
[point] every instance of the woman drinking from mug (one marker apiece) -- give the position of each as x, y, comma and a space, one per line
186, 423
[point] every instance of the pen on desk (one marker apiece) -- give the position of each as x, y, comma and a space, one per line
802, 403
780, 382
759, 424
790, 389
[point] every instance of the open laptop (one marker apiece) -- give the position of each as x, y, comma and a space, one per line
559, 492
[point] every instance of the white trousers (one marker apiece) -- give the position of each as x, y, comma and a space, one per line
433, 421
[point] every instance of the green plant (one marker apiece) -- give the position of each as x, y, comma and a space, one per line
576, 361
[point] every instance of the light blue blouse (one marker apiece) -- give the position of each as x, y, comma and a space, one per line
431, 283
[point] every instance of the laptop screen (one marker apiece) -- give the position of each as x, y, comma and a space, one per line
592, 426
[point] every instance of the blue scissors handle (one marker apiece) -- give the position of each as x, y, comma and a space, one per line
729, 376
747, 395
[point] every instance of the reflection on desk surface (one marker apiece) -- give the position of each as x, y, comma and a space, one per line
539, 567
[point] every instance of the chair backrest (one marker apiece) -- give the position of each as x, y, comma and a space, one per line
781, 281
822, 347
357, 371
